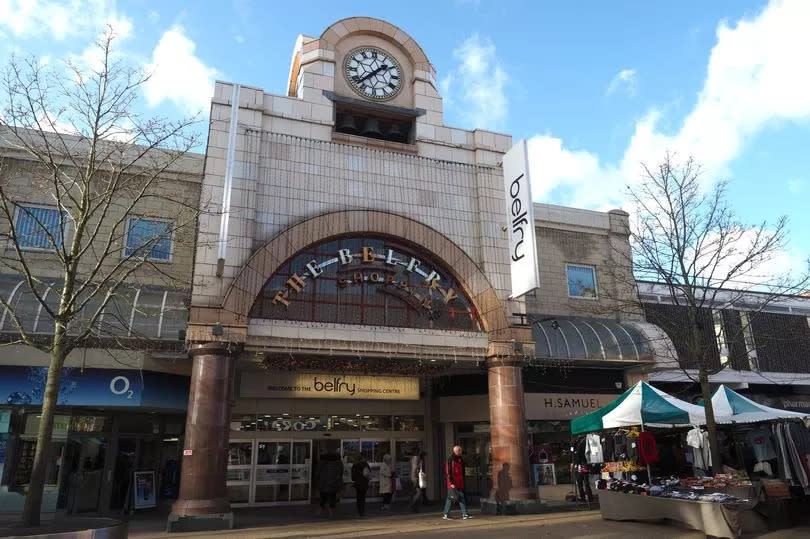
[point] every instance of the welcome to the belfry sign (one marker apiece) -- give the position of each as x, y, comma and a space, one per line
520, 220
329, 386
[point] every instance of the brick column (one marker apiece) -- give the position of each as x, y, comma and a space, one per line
507, 416
203, 501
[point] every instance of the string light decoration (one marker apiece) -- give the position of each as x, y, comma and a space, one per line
291, 363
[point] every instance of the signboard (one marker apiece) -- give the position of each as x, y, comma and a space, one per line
24, 386
144, 485
520, 221
563, 405
328, 386
544, 474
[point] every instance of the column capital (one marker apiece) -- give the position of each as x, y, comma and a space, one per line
214, 348
505, 361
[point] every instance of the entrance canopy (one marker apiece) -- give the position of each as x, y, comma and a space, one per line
642, 404
738, 409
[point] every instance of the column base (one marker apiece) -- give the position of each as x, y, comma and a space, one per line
199, 523
491, 506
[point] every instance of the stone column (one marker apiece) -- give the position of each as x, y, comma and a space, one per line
203, 501
507, 416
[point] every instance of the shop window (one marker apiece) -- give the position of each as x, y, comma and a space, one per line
409, 423
244, 423
39, 227
139, 424
581, 281
288, 423
389, 288
345, 423
87, 423
149, 237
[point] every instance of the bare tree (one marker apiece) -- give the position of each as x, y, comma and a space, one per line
71, 138
688, 246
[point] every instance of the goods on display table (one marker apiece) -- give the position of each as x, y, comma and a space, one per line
616, 455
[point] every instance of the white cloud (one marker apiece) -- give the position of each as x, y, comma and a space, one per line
755, 78
478, 83
626, 79
178, 75
25, 19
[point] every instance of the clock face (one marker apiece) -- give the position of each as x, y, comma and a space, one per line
373, 73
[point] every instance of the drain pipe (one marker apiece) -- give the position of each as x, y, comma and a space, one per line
222, 242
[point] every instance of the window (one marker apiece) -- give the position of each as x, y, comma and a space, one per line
37, 227
720, 336
151, 236
581, 281
750, 345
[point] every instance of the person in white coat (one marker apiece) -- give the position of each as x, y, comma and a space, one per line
386, 482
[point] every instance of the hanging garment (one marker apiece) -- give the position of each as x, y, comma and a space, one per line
707, 451
594, 449
648, 449
608, 448
763, 468
631, 446
694, 438
784, 467
760, 441
620, 446
795, 460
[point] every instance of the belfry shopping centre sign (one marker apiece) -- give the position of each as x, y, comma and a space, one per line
328, 386
387, 269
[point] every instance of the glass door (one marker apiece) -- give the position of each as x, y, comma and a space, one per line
300, 471
240, 472
272, 472
373, 451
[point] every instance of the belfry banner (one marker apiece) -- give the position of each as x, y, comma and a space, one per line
520, 220
306, 385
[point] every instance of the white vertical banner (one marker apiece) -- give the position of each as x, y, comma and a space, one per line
520, 220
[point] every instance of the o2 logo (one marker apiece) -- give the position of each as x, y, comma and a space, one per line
120, 386
286, 424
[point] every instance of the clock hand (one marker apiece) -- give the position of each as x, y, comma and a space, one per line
371, 74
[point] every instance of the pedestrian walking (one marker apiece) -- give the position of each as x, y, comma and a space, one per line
454, 475
386, 482
361, 475
419, 480
330, 480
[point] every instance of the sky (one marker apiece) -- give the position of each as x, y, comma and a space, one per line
595, 87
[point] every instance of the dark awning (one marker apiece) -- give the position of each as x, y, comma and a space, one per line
573, 337
146, 312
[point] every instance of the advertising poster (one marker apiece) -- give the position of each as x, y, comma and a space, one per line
544, 474
145, 495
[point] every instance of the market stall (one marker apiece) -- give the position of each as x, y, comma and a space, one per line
617, 443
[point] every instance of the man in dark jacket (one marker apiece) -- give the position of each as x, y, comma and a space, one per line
330, 480
361, 474
454, 476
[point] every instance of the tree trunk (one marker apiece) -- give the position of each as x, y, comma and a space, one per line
33, 499
711, 426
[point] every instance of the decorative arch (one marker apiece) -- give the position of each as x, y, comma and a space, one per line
265, 262
371, 26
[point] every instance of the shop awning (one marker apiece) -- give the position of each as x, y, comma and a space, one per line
641, 404
739, 409
573, 337
147, 312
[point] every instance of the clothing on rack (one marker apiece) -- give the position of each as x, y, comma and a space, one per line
694, 438
608, 448
620, 446
593, 449
707, 451
648, 449
760, 441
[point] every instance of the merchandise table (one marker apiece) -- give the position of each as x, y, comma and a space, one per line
717, 519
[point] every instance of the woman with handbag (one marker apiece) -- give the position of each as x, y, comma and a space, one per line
387, 479
419, 480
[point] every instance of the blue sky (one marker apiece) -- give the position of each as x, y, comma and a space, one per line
596, 87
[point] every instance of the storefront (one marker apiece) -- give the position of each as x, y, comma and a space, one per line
277, 437
109, 424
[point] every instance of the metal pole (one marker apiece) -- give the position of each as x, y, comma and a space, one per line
649, 473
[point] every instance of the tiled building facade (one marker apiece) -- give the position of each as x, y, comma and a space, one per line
352, 234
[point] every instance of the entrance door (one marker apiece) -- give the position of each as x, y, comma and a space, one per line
86, 455
477, 452
373, 451
269, 472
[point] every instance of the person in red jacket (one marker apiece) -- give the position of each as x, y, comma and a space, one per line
454, 475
